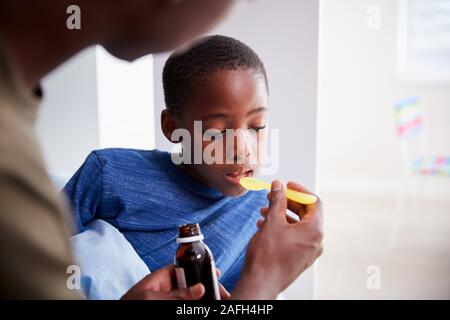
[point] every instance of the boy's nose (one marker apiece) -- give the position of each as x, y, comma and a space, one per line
241, 158
242, 147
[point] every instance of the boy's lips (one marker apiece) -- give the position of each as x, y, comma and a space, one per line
236, 176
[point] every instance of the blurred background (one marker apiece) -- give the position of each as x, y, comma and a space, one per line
360, 91
384, 149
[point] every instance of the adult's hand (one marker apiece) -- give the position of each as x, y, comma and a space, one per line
159, 285
282, 248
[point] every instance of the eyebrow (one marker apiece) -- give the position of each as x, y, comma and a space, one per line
256, 110
213, 116
221, 115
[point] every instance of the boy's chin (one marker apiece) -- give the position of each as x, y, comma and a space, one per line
234, 191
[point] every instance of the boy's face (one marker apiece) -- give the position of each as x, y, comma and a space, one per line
229, 99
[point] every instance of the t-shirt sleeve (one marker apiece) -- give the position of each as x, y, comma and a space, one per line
84, 192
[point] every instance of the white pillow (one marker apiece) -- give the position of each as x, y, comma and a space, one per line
108, 263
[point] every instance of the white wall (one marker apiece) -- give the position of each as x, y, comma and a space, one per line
67, 125
94, 101
125, 102
285, 36
358, 87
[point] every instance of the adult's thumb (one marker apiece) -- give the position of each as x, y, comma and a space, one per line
277, 202
194, 292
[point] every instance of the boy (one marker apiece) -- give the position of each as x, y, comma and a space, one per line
219, 83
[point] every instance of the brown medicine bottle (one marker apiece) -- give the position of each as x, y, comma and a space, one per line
195, 262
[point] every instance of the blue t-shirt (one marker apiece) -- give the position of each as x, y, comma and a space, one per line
146, 197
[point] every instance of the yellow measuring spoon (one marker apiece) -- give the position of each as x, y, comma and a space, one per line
256, 185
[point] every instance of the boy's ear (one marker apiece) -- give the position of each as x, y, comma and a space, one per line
168, 124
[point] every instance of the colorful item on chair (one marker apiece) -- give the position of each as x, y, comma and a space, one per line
439, 165
409, 117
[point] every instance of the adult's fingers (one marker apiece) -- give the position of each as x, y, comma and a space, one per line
306, 212
224, 294
277, 203
296, 208
260, 223
194, 292
298, 187
263, 211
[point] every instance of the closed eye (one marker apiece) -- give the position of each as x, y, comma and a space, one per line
210, 133
258, 128
218, 133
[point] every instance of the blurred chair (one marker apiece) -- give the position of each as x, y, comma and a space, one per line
417, 164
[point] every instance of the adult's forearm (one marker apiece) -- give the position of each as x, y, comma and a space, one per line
255, 285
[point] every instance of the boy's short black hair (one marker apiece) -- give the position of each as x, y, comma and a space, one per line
184, 70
